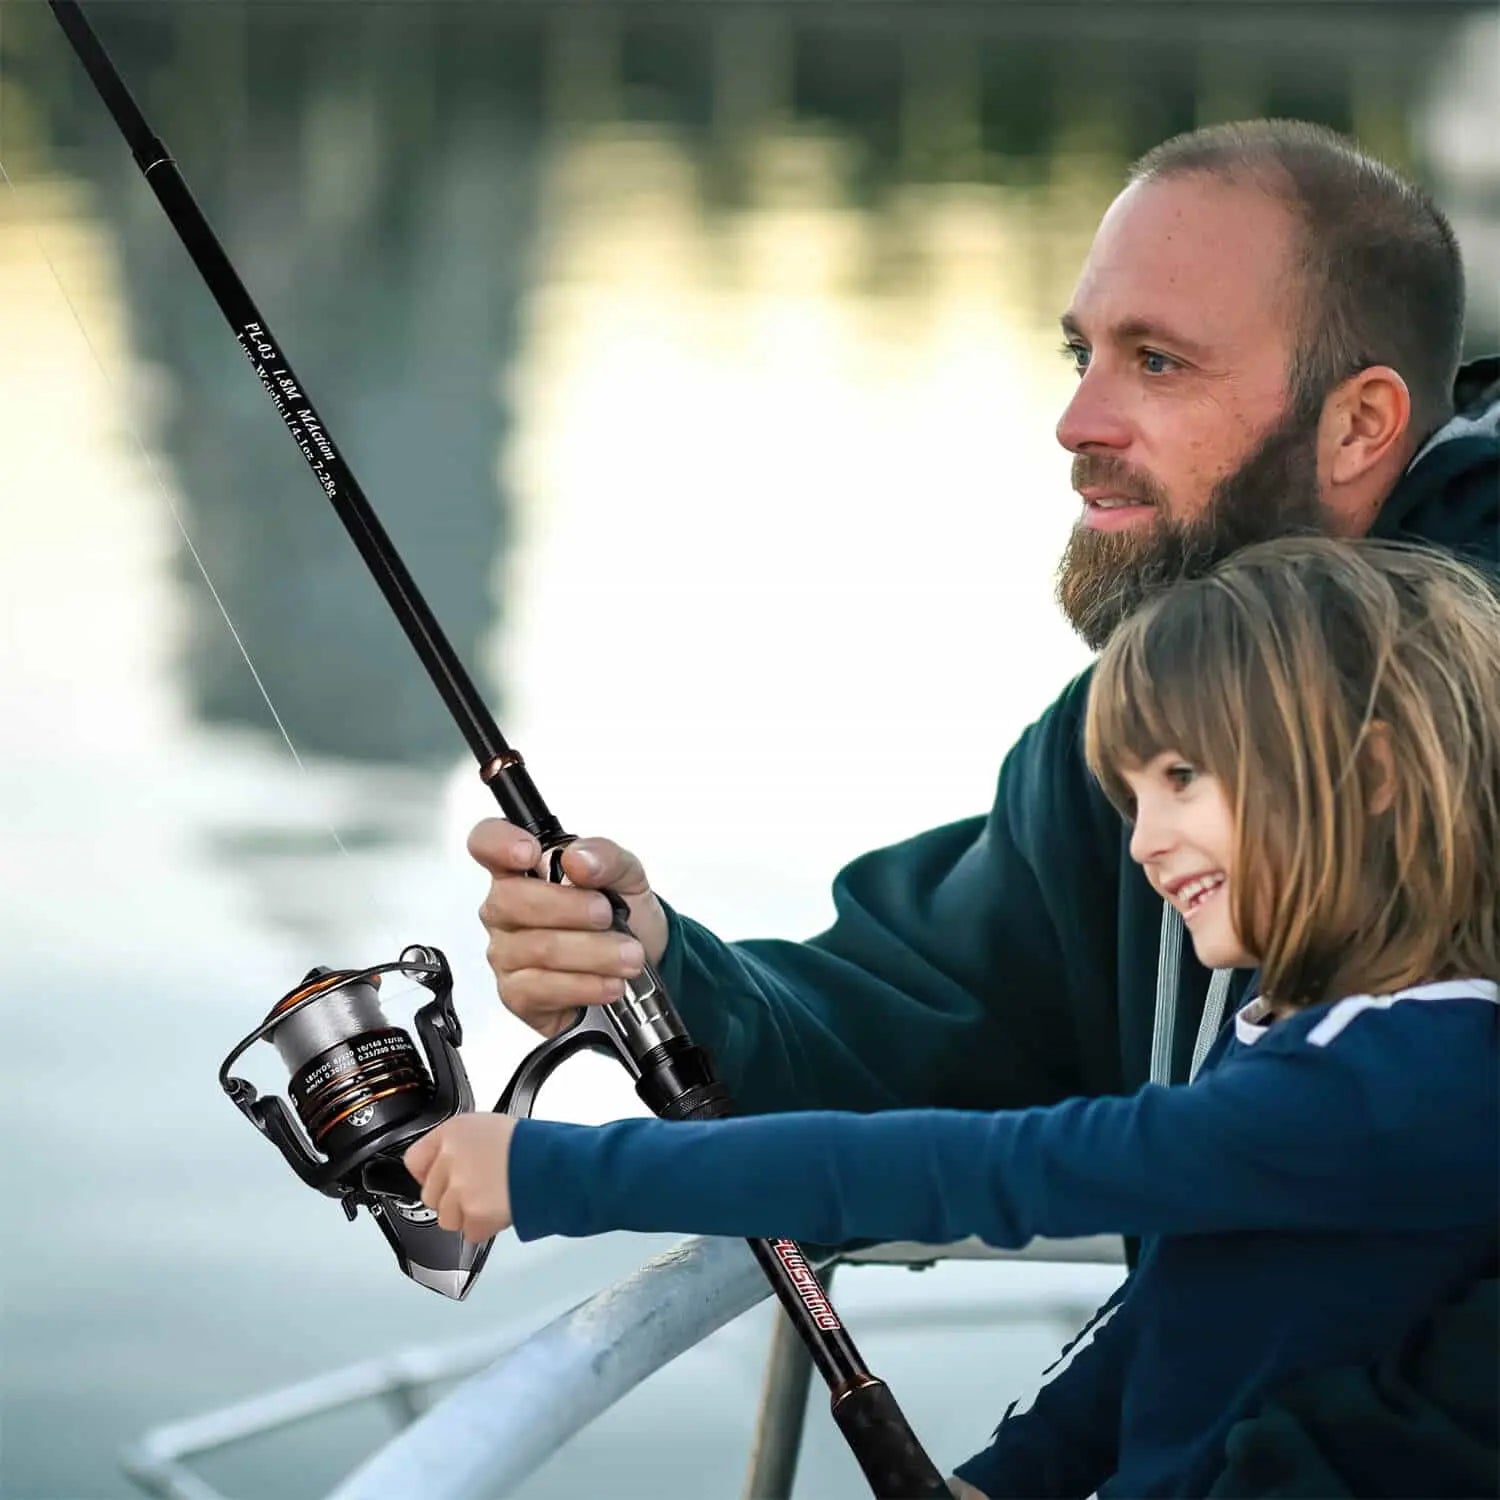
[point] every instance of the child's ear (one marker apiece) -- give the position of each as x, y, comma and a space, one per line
1378, 768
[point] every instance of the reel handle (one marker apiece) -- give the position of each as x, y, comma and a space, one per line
386, 1175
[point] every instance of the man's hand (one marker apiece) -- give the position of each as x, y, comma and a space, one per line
550, 945
463, 1169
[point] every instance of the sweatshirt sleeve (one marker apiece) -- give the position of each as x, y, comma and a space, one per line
1283, 1137
961, 942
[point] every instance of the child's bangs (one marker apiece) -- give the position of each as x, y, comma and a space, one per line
1163, 682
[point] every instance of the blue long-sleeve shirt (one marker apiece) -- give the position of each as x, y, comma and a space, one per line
1324, 1183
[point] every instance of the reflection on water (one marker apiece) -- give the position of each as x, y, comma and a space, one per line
701, 366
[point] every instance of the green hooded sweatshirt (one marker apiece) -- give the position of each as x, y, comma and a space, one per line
1021, 957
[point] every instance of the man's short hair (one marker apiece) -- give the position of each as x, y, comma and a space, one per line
1382, 278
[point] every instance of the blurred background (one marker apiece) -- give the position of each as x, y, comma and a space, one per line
702, 361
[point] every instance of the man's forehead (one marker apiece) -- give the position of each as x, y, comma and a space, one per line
1189, 253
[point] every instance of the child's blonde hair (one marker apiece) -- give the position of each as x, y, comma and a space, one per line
1347, 694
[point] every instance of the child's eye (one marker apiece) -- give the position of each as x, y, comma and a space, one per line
1182, 774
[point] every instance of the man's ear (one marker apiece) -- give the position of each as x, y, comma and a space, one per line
1365, 425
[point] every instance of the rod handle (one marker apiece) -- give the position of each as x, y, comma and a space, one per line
882, 1441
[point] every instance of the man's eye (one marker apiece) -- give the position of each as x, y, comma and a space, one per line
1154, 362
1076, 354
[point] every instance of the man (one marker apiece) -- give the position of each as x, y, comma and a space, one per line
1267, 330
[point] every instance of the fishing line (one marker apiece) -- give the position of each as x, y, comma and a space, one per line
123, 409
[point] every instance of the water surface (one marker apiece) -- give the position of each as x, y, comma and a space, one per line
703, 367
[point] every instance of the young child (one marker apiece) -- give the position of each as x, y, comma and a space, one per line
1307, 743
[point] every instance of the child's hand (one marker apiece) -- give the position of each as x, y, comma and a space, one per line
463, 1169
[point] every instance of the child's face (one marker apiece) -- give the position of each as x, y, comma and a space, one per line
1184, 840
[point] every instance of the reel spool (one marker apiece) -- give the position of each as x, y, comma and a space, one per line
363, 1093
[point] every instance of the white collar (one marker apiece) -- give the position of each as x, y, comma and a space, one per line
1253, 1020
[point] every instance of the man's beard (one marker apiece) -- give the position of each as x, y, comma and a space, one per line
1104, 576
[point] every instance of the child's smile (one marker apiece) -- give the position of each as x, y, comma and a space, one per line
1183, 839
1190, 894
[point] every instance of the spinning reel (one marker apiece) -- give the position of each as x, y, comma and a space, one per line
362, 1095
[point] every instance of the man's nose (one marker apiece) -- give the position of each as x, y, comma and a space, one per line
1093, 419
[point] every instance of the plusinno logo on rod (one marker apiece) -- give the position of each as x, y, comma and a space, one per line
806, 1283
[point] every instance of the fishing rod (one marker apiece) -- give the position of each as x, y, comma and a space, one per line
359, 1086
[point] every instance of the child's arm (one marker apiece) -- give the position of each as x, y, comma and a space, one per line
1289, 1136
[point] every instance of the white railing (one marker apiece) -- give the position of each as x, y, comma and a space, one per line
484, 1438
157, 1462
524, 1400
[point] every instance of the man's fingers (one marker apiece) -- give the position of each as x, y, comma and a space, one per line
610, 954
538, 992
550, 946
599, 862
514, 903
502, 848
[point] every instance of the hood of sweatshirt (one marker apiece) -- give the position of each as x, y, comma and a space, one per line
1450, 494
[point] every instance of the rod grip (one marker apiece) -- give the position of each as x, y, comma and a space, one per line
881, 1440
